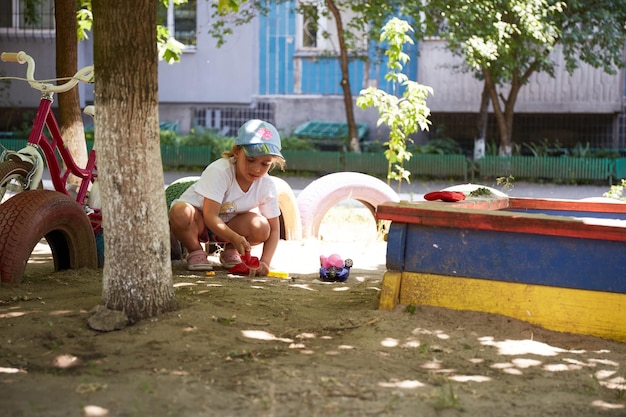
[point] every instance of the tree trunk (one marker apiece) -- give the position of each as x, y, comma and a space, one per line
70, 117
504, 117
137, 276
353, 132
481, 125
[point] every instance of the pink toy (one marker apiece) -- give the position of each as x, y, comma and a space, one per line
333, 260
334, 268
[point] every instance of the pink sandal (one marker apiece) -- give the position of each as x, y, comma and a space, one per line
197, 261
230, 258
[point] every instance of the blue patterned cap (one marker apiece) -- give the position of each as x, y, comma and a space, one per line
259, 138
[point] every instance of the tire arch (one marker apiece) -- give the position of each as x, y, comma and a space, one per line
322, 194
288, 209
32, 215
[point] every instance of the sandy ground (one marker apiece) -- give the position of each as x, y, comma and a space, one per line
291, 347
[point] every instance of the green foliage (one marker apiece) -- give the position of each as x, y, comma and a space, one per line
506, 182
440, 146
84, 18
544, 148
617, 191
403, 115
168, 137
447, 398
217, 142
294, 143
480, 192
169, 48
513, 39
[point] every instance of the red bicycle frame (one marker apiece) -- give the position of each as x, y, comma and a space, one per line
45, 118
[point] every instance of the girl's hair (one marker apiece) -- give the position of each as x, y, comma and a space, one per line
276, 160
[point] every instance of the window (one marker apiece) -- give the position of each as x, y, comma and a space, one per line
311, 23
316, 31
27, 14
180, 20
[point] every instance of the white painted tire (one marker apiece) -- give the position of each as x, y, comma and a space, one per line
322, 194
288, 209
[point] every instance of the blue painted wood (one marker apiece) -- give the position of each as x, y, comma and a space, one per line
396, 240
572, 213
524, 258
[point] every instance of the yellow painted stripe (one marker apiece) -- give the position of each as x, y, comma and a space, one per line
594, 313
390, 290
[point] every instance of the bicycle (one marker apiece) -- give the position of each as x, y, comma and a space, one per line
27, 212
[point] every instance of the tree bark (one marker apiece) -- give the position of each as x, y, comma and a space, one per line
481, 125
506, 147
353, 132
137, 276
70, 117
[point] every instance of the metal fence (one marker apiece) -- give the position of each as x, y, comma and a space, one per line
435, 166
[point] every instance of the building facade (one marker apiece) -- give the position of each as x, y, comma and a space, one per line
281, 68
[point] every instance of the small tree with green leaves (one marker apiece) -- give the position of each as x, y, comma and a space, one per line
405, 114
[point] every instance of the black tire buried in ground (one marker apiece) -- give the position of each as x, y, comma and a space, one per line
32, 215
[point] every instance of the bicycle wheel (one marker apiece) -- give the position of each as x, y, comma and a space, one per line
13, 176
36, 214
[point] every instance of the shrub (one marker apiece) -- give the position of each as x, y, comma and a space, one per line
442, 146
217, 142
294, 143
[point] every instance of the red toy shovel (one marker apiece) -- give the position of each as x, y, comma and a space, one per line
449, 196
248, 265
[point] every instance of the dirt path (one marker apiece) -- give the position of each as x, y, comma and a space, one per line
296, 347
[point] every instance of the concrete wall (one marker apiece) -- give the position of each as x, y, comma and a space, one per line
42, 49
587, 90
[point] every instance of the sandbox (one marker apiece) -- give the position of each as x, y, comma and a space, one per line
559, 264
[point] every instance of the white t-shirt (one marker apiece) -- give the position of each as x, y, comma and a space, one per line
218, 183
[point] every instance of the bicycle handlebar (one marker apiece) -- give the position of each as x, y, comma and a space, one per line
85, 74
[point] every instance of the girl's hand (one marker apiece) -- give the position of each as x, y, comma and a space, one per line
263, 269
241, 244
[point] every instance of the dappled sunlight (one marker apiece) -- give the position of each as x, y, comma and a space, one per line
5, 370
61, 312
303, 286
263, 335
432, 365
560, 367
389, 342
338, 289
184, 284
13, 314
607, 406
523, 363
299, 345
604, 378
521, 347
438, 333
469, 378
95, 411
520, 357
411, 343
66, 361
406, 384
